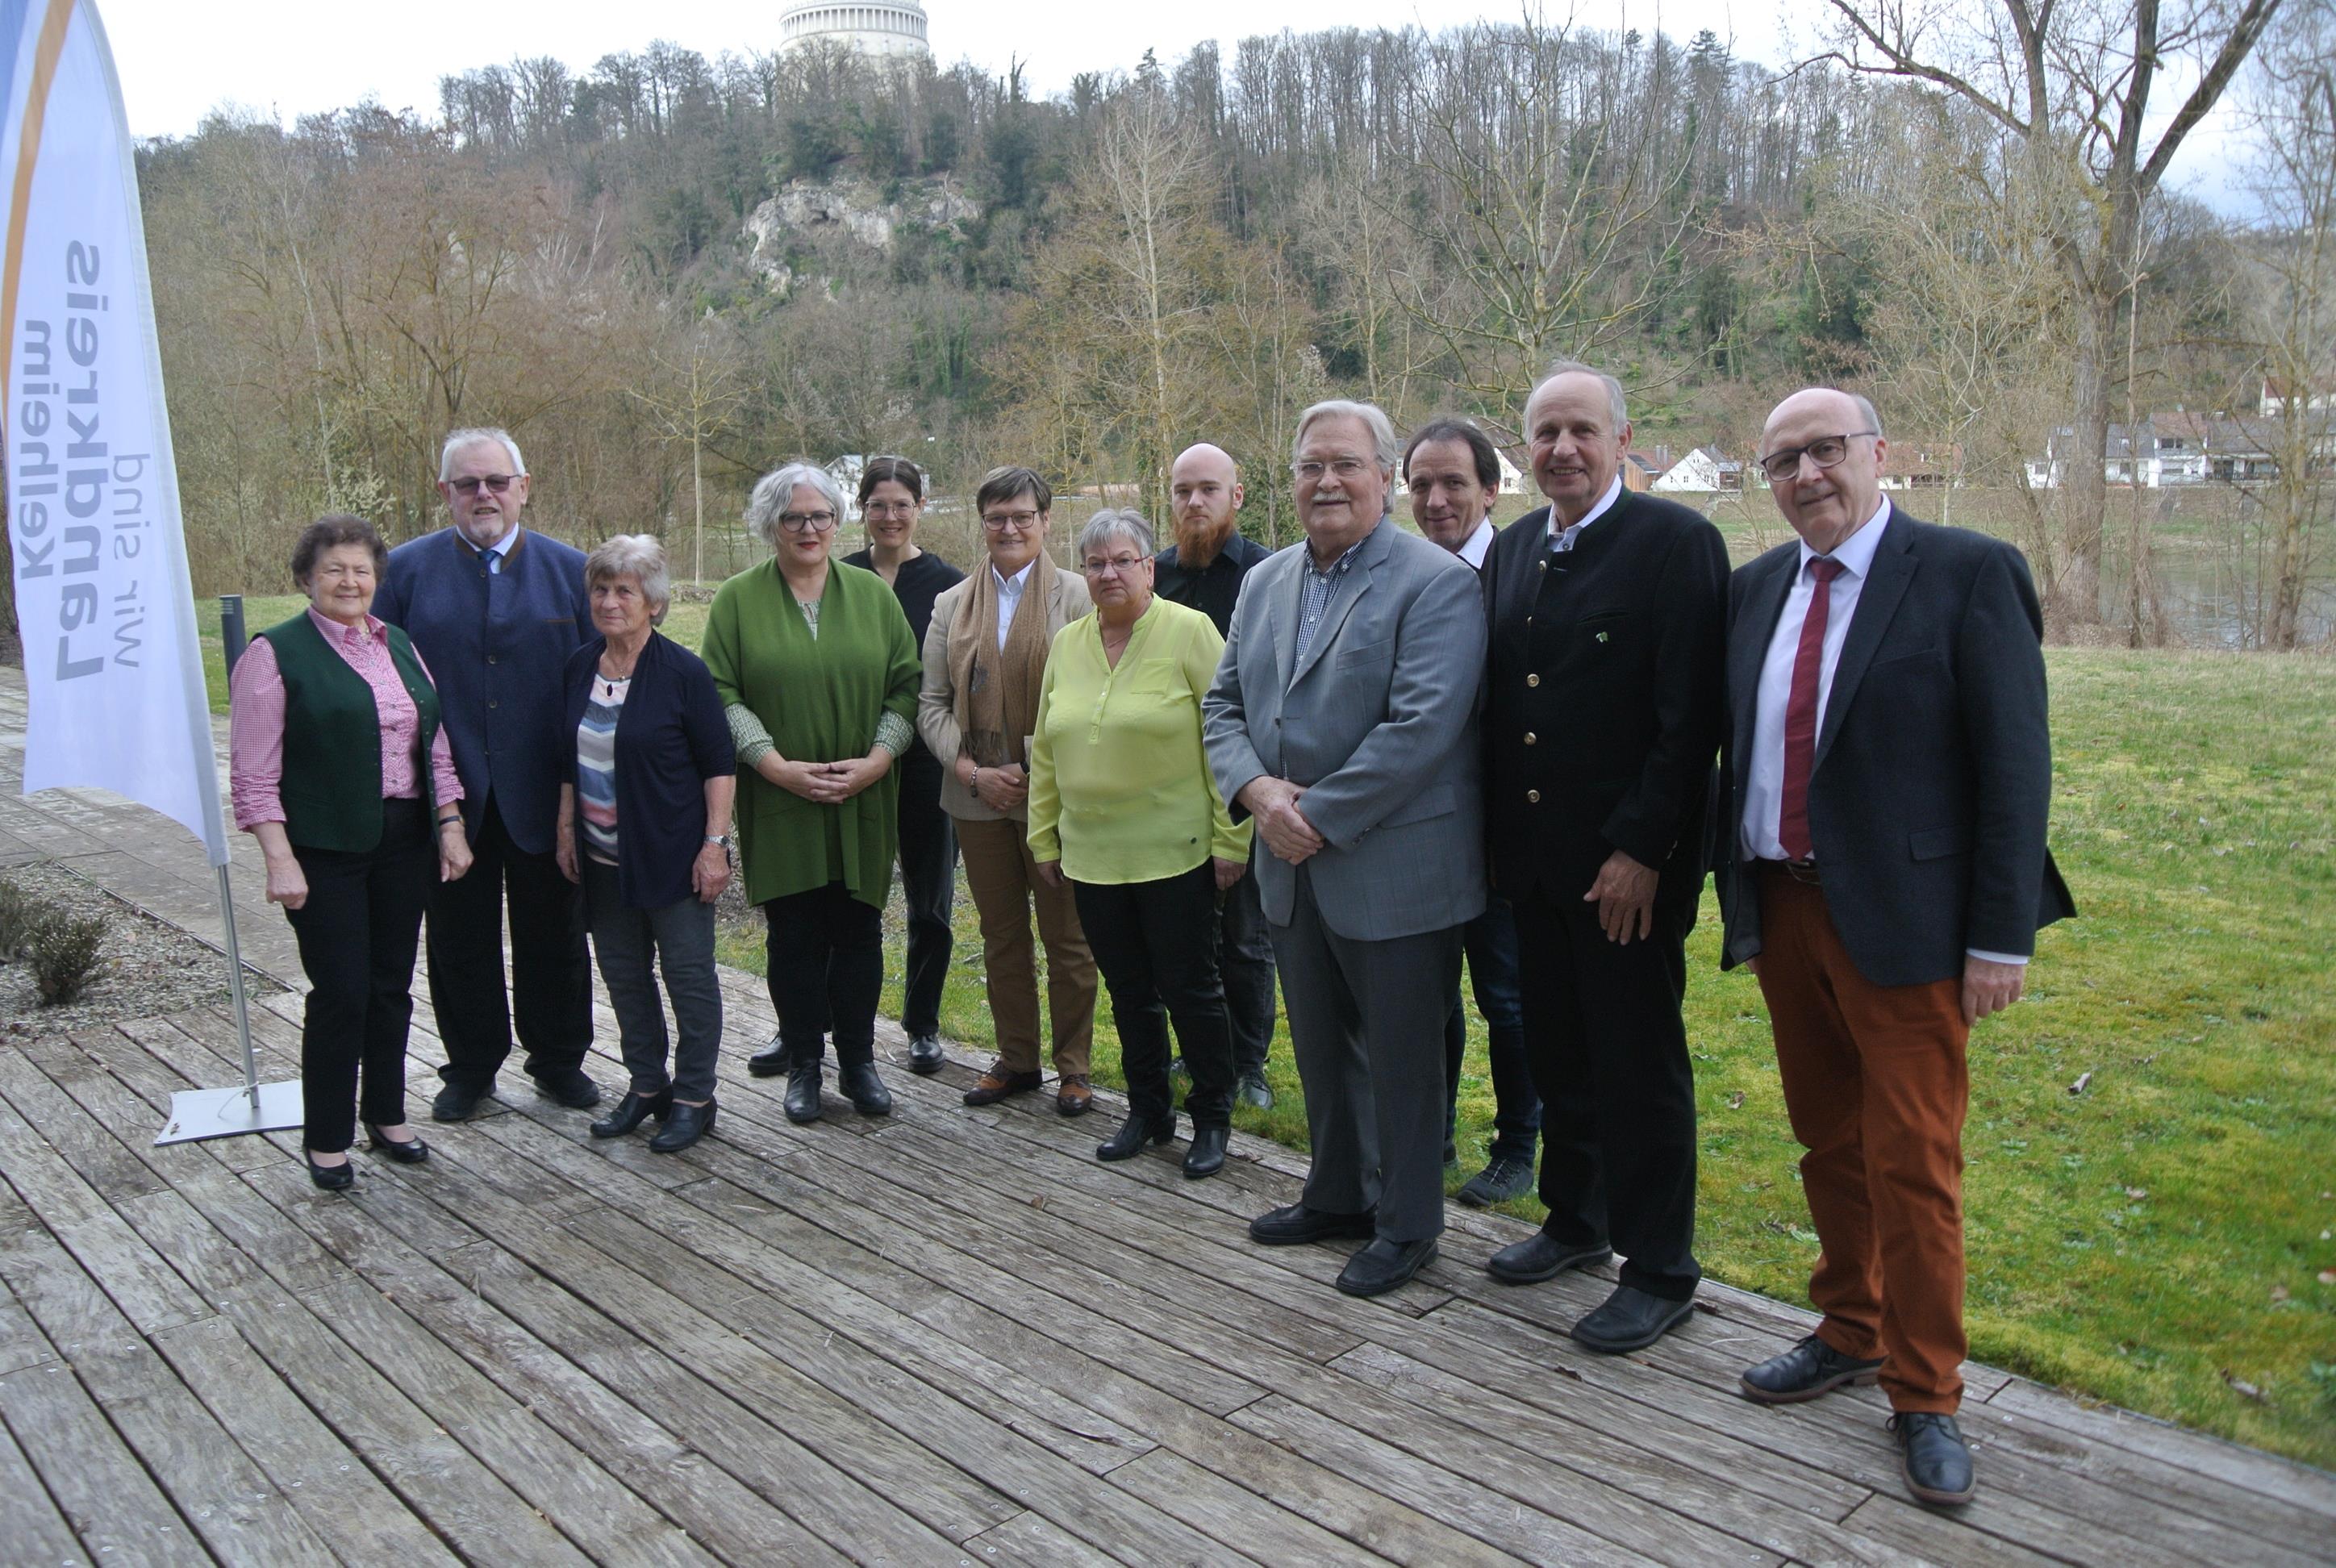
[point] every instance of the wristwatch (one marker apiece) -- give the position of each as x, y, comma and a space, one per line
722, 839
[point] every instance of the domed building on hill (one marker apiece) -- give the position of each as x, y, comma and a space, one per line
883, 28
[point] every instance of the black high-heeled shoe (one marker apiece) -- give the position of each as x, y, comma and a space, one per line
631, 1111
1133, 1134
331, 1178
410, 1152
683, 1126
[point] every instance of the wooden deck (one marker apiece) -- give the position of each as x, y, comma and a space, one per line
947, 1337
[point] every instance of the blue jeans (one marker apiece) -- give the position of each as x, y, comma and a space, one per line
1490, 941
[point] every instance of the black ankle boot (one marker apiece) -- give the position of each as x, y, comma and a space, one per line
1133, 1134
802, 1091
684, 1125
859, 1082
631, 1111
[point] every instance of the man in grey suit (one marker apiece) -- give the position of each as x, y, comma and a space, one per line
1343, 720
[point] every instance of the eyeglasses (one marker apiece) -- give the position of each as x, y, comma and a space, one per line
806, 521
1000, 521
495, 483
1121, 564
1824, 452
888, 509
1340, 468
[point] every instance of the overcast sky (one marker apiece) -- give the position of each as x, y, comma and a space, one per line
179, 59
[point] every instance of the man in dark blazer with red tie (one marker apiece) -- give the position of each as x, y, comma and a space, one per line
1602, 715
1890, 772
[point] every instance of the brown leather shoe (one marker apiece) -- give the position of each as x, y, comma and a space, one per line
1073, 1096
997, 1084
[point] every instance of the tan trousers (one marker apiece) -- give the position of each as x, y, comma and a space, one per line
1004, 880
1876, 1082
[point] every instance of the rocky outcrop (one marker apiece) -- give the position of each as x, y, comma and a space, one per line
819, 212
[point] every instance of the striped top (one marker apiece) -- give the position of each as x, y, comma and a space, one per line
596, 767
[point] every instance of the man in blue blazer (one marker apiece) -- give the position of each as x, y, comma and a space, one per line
495, 611
1889, 771
1343, 720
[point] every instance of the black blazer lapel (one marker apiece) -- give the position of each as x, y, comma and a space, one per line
1893, 571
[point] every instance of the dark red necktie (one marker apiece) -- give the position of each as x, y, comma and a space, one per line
1801, 715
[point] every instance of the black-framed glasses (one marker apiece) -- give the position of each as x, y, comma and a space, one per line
1824, 452
496, 483
1122, 565
1019, 521
806, 521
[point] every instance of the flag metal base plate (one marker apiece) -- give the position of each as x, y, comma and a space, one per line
197, 1114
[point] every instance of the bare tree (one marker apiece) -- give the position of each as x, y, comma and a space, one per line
2289, 267
690, 387
2070, 84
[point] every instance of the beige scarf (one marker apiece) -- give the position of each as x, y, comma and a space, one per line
997, 688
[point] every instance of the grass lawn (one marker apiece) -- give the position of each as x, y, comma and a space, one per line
2160, 1239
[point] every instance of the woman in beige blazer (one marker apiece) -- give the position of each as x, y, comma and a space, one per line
985, 657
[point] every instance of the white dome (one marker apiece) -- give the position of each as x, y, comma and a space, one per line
880, 27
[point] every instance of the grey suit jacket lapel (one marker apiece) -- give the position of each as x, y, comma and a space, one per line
1357, 583
1894, 570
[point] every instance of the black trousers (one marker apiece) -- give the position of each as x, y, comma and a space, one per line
1609, 1055
824, 965
1490, 941
357, 932
551, 999
1155, 943
1245, 963
928, 886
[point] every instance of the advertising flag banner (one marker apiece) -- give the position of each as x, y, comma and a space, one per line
112, 666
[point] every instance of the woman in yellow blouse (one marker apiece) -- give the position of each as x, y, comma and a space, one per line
1122, 804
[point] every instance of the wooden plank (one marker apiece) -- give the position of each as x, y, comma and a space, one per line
29, 1521
223, 1496
2195, 1454
112, 1171
1511, 1525
464, 1497
329, 1487
1004, 1451
647, 1459
1215, 1507
99, 1487
1027, 1538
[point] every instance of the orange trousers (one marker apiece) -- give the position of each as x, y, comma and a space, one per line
1876, 1082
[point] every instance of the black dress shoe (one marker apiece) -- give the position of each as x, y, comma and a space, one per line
568, 1086
1133, 1134
1933, 1457
1381, 1266
1254, 1092
1504, 1176
1542, 1256
863, 1088
771, 1061
459, 1102
1206, 1156
332, 1178
1629, 1320
803, 1092
404, 1151
926, 1055
1287, 1227
1806, 1370
631, 1111
684, 1125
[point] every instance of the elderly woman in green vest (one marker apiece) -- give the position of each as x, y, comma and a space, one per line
818, 672
337, 766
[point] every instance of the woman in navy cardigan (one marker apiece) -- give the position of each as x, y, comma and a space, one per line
644, 825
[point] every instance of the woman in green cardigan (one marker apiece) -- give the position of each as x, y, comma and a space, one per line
818, 673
